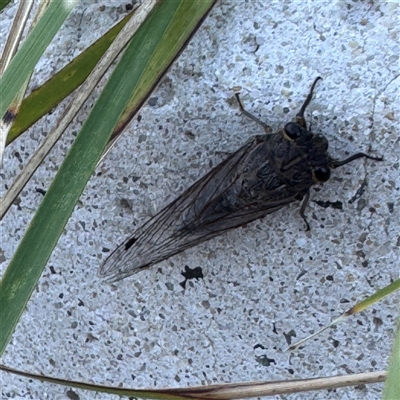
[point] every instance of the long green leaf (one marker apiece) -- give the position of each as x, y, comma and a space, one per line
392, 385
3, 4
28, 55
62, 84
187, 16
46, 227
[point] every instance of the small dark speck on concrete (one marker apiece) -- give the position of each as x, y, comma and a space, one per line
52, 270
390, 207
259, 346
289, 335
41, 191
274, 328
18, 156
190, 135
338, 205
17, 203
82, 224
153, 101
135, 178
80, 303
329, 278
72, 395
142, 138
359, 192
105, 250
361, 204
302, 273
265, 361
90, 338
125, 204
335, 343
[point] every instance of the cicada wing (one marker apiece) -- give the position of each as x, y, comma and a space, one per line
229, 196
172, 229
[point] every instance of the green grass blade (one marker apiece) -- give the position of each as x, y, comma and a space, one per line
28, 55
374, 298
188, 15
63, 83
392, 385
362, 305
4, 3
47, 225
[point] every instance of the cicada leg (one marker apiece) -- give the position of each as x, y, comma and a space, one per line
266, 127
306, 198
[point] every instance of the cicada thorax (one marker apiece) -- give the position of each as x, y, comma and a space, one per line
298, 157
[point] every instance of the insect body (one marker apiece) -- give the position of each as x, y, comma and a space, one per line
265, 174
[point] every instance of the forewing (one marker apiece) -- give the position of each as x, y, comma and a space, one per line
173, 228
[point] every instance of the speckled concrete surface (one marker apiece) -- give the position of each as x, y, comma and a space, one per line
265, 284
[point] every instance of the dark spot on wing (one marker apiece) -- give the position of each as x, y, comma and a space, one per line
130, 243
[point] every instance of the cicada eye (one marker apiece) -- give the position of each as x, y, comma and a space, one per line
321, 174
293, 130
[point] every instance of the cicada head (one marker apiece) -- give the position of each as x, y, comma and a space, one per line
305, 159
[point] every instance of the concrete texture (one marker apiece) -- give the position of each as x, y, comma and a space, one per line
264, 285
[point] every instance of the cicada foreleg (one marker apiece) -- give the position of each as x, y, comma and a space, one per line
266, 127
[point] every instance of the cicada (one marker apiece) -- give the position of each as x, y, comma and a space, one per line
265, 174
